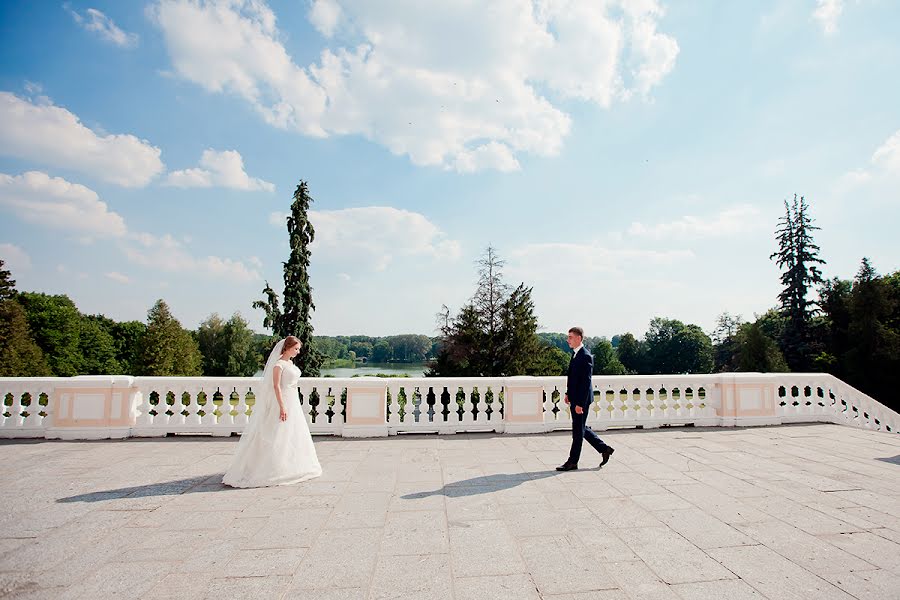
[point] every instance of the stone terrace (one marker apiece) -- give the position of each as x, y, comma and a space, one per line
691, 513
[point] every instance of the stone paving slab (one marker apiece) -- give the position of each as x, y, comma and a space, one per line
807, 511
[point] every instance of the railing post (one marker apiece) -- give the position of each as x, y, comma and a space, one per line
524, 405
366, 408
93, 408
747, 399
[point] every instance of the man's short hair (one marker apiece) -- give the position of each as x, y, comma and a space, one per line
577, 331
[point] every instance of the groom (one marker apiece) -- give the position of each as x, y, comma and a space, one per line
580, 393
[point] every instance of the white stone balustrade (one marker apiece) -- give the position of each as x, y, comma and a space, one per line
120, 406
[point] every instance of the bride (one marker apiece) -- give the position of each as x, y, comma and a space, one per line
276, 447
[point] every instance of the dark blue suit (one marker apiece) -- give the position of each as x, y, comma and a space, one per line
581, 393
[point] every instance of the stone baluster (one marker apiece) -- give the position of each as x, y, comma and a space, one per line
15, 418
240, 419
468, 406
643, 405
144, 418
193, 407
392, 405
34, 417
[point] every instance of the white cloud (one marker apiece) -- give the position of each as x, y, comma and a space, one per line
728, 222
15, 259
95, 21
325, 16
118, 277
887, 156
827, 13
53, 136
551, 260
448, 84
165, 253
278, 219
219, 169
64, 270
53, 202
377, 234
884, 165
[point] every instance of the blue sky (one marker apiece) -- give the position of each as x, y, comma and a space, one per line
627, 159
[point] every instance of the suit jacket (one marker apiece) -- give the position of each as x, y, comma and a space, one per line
578, 386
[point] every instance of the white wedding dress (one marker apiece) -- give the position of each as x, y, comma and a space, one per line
272, 451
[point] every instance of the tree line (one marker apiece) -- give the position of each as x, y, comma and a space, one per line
850, 328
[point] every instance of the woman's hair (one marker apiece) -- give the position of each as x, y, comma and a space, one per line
289, 342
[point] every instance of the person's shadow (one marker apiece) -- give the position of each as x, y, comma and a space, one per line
192, 485
485, 484
198, 485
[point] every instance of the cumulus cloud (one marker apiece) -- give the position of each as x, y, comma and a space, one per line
219, 169
95, 21
549, 260
325, 16
884, 165
118, 277
887, 155
827, 13
165, 253
53, 202
729, 221
448, 84
377, 234
53, 136
15, 259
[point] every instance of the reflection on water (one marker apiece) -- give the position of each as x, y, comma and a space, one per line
370, 369
411, 369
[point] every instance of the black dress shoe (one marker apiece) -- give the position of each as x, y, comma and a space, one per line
567, 467
606, 456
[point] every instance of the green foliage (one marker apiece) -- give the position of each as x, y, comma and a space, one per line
168, 349
757, 352
363, 349
20, 356
97, 349
673, 347
606, 360
294, 317
128, 336
669, 346
7, 284
632, 354
331, 348
228, 347
55, 324
872, 362
725, 342
381, 351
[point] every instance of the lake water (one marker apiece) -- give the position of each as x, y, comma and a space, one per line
369, 369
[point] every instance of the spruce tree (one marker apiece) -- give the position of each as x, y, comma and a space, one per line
20, 356
797, 257
168, 349
495, 333
293, 318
